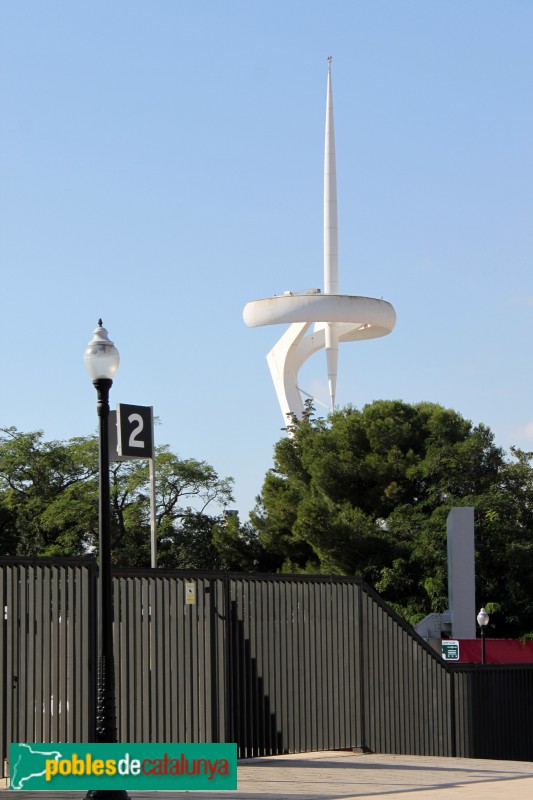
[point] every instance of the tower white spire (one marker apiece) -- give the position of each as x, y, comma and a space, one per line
331, 226
337, 318
331, 240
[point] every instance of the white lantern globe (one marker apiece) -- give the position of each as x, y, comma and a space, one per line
101, 357
482, 618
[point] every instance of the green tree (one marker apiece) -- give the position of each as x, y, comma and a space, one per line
46, 494
185, 490
49, 502
237, 546
368, 491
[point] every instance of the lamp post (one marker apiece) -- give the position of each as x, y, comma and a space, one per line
101, 361
483, 621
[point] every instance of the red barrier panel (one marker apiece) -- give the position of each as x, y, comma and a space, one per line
497, 651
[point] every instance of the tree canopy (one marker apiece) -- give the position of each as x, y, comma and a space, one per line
49, 506
364, 492
367, 492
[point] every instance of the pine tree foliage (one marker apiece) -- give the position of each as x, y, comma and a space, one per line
367, 492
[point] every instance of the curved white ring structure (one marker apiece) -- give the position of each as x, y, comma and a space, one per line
359, 313
352, 319
336, 317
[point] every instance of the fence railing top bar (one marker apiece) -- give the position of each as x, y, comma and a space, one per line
150, 572
52, 561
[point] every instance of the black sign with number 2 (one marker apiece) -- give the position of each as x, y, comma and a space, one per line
135, 431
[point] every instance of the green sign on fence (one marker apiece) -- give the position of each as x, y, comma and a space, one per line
450, 649
147, 767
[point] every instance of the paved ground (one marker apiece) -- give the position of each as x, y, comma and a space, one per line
342, 775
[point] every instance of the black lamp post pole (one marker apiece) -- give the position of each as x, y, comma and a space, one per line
106, 715
483, 644
106, 722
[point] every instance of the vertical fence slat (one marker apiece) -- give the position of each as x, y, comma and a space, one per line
3, 673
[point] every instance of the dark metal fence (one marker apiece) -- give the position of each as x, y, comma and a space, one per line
272, 663
278, 664
47, 645
494, 708
406, 686
166, 658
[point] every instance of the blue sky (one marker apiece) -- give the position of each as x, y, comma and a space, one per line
161, 165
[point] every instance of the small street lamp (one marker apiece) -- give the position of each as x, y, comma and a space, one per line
483, 621
101, 361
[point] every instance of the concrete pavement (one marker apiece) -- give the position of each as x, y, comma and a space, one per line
343, 775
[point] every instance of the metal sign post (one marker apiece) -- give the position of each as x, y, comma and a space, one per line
153, 527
